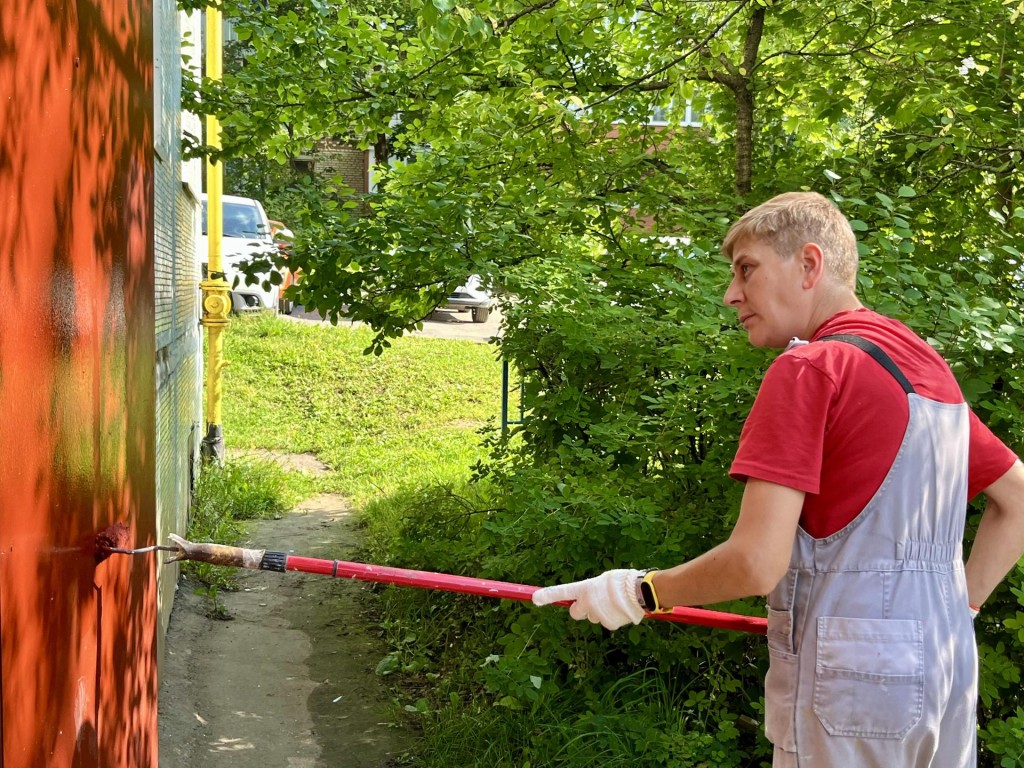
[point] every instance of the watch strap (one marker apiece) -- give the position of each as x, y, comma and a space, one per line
647, 595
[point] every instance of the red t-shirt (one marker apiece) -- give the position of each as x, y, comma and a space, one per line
828, 419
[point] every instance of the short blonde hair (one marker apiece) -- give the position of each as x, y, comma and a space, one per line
790, 220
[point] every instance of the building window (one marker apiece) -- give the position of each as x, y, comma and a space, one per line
691, 116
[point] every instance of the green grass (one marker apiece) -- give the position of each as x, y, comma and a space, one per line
643, 719
401, 433
386, 426
405, 419
228, 496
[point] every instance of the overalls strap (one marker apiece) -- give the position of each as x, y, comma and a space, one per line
876, 352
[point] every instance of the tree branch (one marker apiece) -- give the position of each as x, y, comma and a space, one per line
702, 44
502, 24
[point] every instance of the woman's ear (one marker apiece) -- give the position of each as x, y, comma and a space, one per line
812, 264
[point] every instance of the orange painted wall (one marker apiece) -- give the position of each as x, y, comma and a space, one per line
78, 661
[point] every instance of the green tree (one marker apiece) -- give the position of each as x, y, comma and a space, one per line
529, 157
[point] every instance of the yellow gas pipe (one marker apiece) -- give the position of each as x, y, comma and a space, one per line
215, 289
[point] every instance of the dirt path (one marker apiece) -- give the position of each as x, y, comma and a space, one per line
441, 324
289, 681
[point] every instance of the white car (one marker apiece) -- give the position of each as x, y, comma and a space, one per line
473, 296
246, 232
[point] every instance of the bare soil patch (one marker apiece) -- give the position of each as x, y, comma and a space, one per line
306, 463
289, 680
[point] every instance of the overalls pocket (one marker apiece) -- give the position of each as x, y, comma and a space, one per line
780, 684
780, 700
869, 676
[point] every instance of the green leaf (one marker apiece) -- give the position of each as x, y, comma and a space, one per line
477, 26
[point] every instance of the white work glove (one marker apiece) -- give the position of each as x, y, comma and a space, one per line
609, 599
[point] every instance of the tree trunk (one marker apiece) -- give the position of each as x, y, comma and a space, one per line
744, 92
381, 149
744, 138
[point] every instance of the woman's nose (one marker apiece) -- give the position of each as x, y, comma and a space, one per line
732, 294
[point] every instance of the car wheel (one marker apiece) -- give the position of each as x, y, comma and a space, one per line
480, 314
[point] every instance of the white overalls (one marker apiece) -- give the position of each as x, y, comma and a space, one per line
873, 661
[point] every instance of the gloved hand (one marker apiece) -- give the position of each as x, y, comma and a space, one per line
609, 599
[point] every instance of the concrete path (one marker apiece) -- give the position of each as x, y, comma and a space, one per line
288, 680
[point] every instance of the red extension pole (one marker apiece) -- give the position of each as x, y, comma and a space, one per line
266, 560
500, 589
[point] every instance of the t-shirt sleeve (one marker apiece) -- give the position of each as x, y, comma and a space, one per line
783, 438
988, 458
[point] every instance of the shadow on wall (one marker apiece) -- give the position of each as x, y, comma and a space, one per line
78, 664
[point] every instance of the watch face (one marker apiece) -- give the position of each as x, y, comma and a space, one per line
647, 593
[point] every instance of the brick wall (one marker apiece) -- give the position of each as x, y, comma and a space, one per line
336, 158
